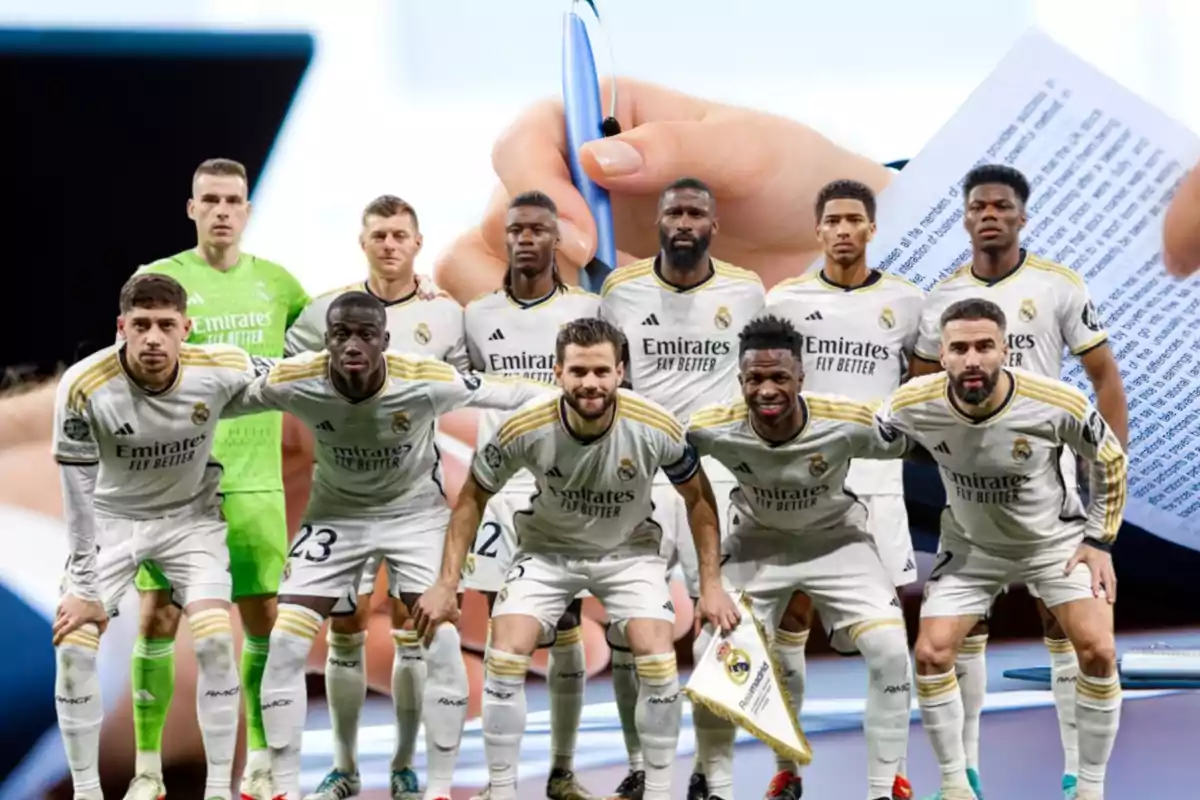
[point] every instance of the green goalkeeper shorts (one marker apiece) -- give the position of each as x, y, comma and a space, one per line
257, 545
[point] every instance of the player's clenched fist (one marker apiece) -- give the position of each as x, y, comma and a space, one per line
764, 171
716, 608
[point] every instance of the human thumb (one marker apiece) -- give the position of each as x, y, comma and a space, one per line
650, 156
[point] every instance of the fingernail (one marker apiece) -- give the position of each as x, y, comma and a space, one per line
615, 157
574, 245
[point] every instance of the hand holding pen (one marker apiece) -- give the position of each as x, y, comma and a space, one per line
764, 169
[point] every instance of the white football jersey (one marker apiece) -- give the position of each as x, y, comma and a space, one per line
422, 327
1004, 487
798, 486
592, 498
683, 343
376, 457
1047, 306
857, 343
509, 337
154, 451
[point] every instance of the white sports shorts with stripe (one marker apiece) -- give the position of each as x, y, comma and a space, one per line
330, 557
189, 547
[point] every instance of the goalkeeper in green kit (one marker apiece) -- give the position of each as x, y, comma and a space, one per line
233, 298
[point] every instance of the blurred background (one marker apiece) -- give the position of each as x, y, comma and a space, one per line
109, 106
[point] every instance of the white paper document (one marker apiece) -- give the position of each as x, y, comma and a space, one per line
1103, 164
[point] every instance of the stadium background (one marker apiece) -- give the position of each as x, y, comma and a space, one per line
328, 108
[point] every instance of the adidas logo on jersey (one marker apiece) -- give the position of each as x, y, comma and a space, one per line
496, 336
814, 316
124, 430
325, 426
943, 448
743, 468
651, 320
910, 564
553, 472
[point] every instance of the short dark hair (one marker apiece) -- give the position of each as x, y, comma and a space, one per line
695, 184
534, 199
388, 205
769, 332
589, 332
357, 300
975, 308
152, 290
221, 166
997, 173
846, 190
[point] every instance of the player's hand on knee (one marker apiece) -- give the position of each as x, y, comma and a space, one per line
74, 613
763, 169
1100, 564
437, 605
717, 609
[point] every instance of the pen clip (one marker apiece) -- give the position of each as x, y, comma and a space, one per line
610, 126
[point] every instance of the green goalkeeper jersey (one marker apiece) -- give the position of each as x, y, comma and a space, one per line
250, 305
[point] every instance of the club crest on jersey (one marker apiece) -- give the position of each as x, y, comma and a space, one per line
1028, 311
736, 663
469, 565
1094, 430
626, 470
400, 422
422, 334
817, 465
887, 319
723, 319
200, 414
1021, 449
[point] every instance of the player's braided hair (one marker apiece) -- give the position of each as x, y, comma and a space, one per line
975, 308
997, 173
535, 199
769, 332
846, 190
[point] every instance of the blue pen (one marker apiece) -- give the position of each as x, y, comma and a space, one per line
585, 123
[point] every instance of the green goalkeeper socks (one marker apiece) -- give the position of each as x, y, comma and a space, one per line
153, 672
254, 663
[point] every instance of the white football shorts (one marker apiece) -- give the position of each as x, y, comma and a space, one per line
189, 547
887, 521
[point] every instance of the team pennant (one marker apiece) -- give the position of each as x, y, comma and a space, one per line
738, 680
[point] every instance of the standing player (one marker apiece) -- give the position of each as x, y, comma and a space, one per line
797, 528
996, 434
240, 299
1048, 309
593, 449
512, 332
377, 496
430, 326
133, 433
682, 311
859, 326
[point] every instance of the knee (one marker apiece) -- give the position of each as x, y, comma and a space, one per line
1097, 655
934, 656
350, 624
885, 649
212, 639
445, 649
159, 617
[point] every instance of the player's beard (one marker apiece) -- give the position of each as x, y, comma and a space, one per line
975, 395
575, 401
684, 258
